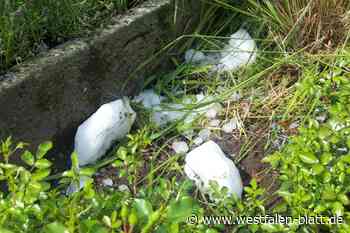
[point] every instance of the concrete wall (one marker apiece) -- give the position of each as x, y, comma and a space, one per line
48, 97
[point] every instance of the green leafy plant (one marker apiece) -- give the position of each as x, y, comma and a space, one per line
314, 167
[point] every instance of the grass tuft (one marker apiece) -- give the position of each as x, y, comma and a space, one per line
310, 25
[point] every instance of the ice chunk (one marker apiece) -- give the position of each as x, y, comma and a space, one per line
240, 51
230, 126
109, 123
235, 97
123, 188
149, 98
164, 113
193, 56
214, 123
180, 147
294, 125
208, 163
172, 112
197, 141
73, 187
107, 182
321, 118
213, 110
204, 134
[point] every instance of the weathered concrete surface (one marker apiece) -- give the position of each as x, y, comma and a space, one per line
48, 97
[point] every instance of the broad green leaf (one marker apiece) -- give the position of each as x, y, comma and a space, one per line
324, 132
174, 228
40, 174
107, 220
28, 158
55, 227
272, 159
179, 210
133, 218
68, 174
43, 149
211, 231
327, 177
3, 230
326, 158
75, 161
346, 158
270, 228
317, 169
92, 226
308, 158
143, 208
344, 199
338, 208
89, 171
43, 163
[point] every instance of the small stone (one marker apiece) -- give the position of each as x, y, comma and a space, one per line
107, 182
230, 126
180, 147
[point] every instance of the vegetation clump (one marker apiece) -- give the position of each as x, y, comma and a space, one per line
309, 25
30, 27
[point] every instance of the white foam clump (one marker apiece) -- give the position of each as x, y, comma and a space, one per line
208, 163
180, 147
111, 122
239, 51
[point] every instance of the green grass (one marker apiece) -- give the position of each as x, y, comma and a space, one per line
28, 27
